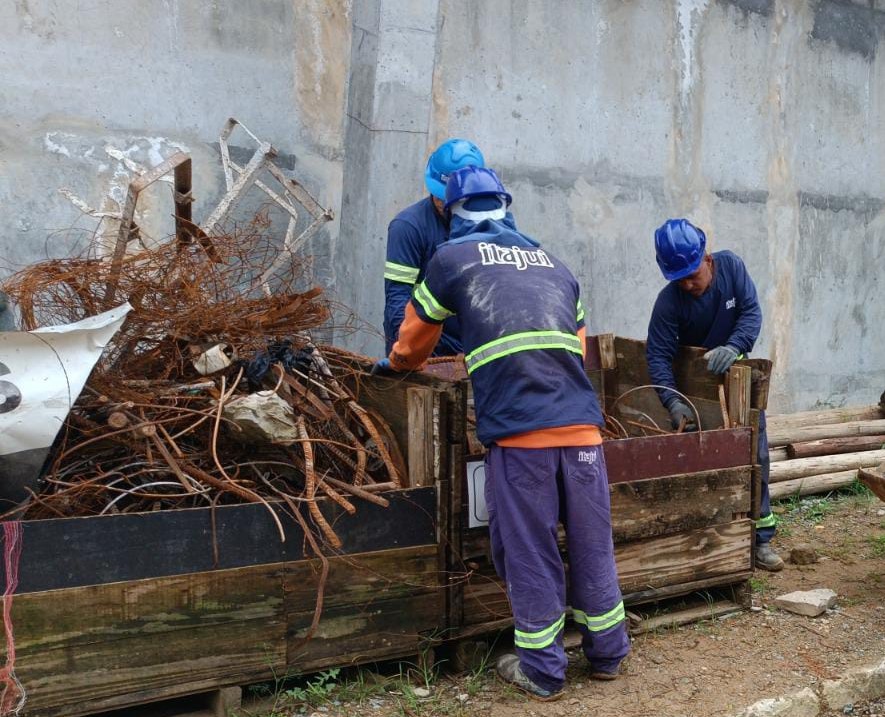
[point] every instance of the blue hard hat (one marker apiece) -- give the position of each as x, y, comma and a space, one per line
679, 248
474, 182
450, 155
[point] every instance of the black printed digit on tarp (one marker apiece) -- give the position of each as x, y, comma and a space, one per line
10, 396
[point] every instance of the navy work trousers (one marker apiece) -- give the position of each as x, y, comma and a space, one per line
766, 525
528, 492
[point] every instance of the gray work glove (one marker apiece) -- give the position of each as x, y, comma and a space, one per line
679, 410
720, 359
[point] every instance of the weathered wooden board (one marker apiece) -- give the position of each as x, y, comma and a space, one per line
412, 406
637, 458
664, 506
715, 550
874, 478
643, 405
73, 552
377, 605
422, 439
689, 367
670, 564
87, 649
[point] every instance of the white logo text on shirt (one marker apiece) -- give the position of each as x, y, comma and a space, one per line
513, 255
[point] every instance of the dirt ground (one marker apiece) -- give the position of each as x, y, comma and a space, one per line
714, 667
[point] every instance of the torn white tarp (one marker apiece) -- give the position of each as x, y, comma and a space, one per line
41, 374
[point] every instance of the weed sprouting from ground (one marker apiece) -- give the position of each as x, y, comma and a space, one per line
878, 544
760, 584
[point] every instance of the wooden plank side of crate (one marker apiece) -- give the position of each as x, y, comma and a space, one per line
644, 406
685, 557
74, 552
668, 565
690, 371
638, 458
377, 605
674, 504
87, 649
99, 647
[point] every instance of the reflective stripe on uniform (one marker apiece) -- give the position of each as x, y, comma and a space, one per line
541, 638
769, 521
431, 306
580, 316
598, 623
525, 341
400, 272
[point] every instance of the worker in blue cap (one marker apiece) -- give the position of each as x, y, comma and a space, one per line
414, 236
710, 302
538, 416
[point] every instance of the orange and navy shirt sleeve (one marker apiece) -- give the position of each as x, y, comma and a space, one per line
422, 325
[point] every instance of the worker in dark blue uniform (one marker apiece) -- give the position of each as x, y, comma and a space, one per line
522, 325
413, 237
710, 302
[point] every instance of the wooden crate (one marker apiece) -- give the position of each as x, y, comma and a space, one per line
682, 505
119, 610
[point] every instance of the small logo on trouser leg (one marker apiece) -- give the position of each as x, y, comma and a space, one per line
587, 456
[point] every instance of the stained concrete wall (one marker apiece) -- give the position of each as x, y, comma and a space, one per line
763, 120
146, 79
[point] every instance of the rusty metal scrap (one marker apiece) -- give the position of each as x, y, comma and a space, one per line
149, 431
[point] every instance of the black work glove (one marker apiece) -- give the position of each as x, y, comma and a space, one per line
720, 359
679, 410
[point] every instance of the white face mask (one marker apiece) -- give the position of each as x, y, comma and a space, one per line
498, 214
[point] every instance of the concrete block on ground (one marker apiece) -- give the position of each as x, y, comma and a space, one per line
803, 703
865, 683
807, 602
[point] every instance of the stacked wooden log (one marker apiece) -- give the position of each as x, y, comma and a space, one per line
819, 451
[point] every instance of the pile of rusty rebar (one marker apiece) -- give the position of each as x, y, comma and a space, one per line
150, 430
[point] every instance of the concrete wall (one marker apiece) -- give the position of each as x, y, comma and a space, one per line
763, 120
147, 79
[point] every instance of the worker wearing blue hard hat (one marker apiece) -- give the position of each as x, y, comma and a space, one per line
414, 236
711, 302
522, 324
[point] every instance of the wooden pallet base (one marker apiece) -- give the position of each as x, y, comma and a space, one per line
220, 702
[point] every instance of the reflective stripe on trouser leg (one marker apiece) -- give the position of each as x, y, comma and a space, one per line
523, 503
595, 594
766, 525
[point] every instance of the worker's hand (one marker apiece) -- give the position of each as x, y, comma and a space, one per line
382, 367
720, 359
679, 412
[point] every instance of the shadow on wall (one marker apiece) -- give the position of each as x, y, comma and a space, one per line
7, 322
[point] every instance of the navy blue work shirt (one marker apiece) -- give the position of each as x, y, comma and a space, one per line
727, 313
412, 239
